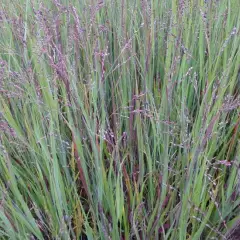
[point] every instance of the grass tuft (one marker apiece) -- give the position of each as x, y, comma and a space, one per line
119, 119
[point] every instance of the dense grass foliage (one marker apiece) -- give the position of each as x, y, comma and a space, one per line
119, 119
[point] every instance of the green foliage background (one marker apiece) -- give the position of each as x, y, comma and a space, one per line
119, 119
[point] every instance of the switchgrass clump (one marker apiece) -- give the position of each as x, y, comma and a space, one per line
119, 119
